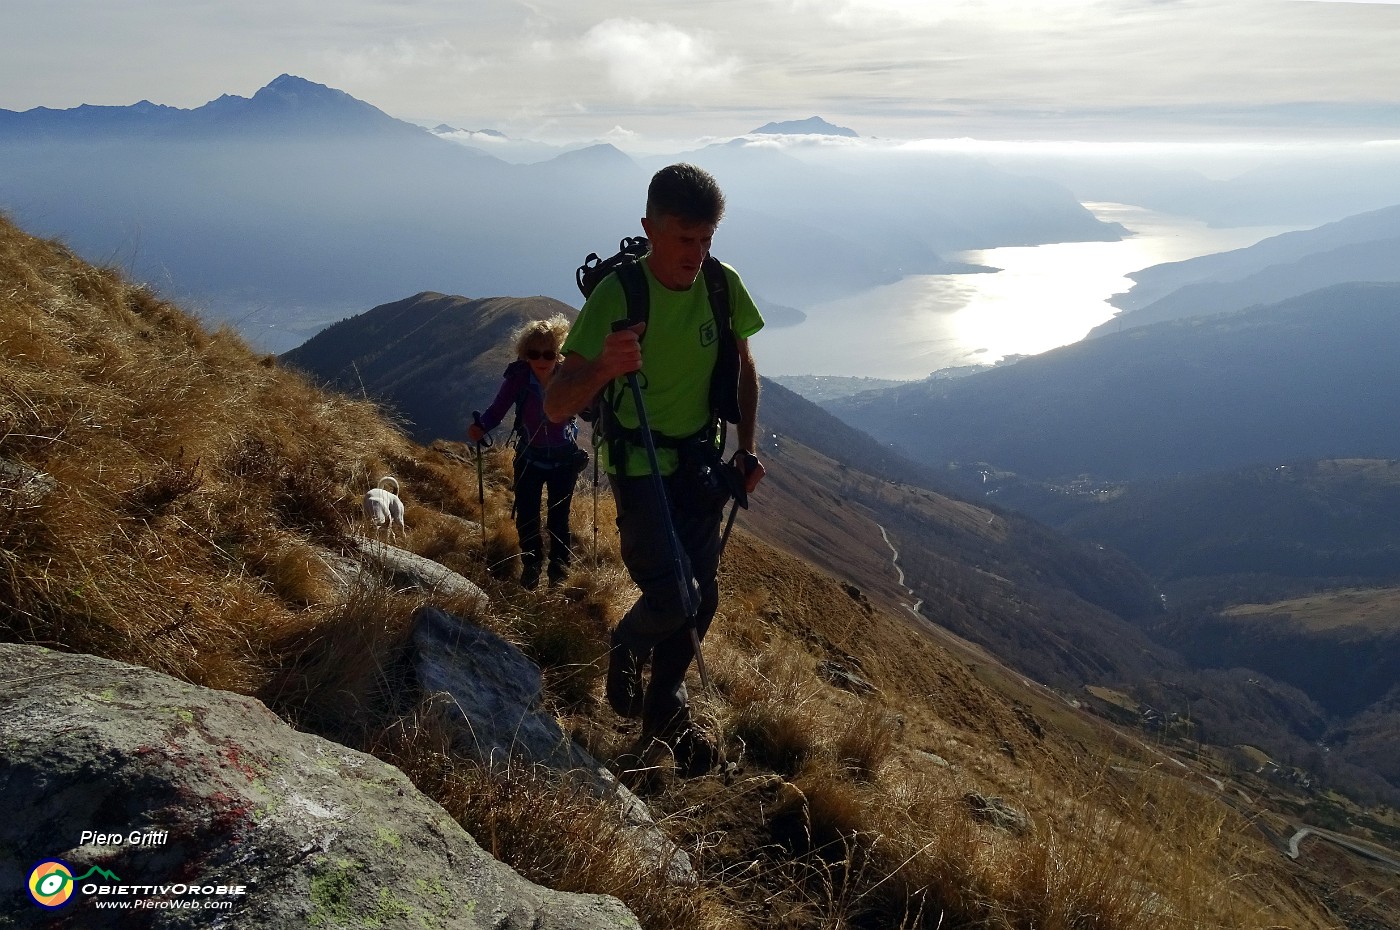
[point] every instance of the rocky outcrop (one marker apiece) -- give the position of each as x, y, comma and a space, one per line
168, 803
413, 569
490, 692
22, 485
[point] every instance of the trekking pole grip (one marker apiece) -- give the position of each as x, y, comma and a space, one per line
485, 439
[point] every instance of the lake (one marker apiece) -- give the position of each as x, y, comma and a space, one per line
1043, 297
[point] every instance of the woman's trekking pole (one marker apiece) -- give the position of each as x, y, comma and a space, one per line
595, 502
485, 440
679, 564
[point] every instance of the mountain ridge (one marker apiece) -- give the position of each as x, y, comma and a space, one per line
812, 125
396, 350
286, 104
1357, 248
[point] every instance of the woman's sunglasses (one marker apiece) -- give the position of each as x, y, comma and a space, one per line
535, 355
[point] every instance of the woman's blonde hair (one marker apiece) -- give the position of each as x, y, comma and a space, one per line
533, 332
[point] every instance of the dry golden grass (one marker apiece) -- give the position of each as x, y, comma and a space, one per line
201, 501
558, 835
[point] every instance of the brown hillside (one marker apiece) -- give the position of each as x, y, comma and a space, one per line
172, 499
432, 358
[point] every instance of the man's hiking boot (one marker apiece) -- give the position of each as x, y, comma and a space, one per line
557, 574
696, 754
530, 577
624, 682
687, 754
640, 767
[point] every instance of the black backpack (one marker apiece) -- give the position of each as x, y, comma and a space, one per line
626, 264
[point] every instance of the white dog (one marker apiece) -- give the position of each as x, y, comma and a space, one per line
383, 508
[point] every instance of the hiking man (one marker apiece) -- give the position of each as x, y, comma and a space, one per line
674, 354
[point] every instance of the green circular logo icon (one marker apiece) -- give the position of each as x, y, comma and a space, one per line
51, 883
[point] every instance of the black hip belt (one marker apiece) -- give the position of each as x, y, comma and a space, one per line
550, 453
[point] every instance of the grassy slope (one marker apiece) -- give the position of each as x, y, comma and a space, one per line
199, 494
1375, 610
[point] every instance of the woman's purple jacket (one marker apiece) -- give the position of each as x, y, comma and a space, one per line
520, 383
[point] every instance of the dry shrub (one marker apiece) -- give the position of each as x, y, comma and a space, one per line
570, 650
172, 481
438, 536
771, 697
296, 571
741, 623
866, 742
836, 808
338, 671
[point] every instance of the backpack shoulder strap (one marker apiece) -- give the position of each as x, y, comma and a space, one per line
717, 283
521, 392
724, 381
636, 290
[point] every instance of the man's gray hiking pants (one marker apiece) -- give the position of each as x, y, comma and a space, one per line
656, 627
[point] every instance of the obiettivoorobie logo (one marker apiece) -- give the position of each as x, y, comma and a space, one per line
51, 882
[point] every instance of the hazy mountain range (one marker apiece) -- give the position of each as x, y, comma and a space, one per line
1300, 379
286, 211
1307, 187
1359, 248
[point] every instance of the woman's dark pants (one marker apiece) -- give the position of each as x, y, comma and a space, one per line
532, 479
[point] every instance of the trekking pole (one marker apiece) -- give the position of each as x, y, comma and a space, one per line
595, 502
735, 476
679, 564
485, 440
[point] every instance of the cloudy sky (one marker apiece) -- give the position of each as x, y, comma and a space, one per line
657, 70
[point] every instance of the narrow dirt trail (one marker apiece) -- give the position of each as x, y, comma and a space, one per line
917, 606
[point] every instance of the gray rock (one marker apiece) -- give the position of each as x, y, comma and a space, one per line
189, 787
491, 691
24, 485
998, 813
843, 676
416, 570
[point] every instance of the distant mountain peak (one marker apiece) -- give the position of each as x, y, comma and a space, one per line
294, 92
289, 102
811, 126
599, 153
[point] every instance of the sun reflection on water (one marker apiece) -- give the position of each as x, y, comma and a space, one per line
1041, 298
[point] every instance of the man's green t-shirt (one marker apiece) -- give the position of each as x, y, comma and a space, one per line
679, 348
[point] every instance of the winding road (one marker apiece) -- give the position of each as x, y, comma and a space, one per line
917, 606
1382, 856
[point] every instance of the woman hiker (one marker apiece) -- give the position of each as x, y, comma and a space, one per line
547, 456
